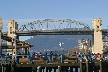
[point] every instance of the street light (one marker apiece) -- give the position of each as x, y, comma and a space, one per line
1, 27
15, 45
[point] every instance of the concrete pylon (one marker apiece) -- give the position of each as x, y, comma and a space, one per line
97, 37
12, 27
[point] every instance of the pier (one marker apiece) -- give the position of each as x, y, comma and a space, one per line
70, 63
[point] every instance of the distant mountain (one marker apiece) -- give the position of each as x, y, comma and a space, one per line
51, 42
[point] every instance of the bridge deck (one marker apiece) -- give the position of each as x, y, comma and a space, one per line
57, 32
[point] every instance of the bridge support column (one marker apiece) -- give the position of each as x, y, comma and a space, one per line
81, 66
87, 66
12, 28
59, 69
71, 69
1, 26
39, 68
100, 65
98, 43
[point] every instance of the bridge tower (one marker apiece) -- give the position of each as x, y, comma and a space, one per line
97, 36
12, 27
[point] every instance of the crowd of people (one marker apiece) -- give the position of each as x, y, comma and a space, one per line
91, 56
50, 55
42, 55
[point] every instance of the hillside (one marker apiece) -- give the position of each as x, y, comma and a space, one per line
51, 42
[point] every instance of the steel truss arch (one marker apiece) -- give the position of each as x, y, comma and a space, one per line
54, 24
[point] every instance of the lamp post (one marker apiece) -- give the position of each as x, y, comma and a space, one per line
1, 27
15, 45
0, 42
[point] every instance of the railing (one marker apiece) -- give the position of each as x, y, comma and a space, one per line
78, 57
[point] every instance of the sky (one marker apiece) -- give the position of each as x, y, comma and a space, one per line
24, 11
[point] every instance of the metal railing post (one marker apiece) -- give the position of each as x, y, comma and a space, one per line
61, 58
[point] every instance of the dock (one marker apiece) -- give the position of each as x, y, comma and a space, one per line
64, 65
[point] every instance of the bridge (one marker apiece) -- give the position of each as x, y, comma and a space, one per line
53, 27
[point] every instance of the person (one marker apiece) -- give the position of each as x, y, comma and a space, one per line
36, 55
46, 54
96, 56
40, 55
51, 56
33, 54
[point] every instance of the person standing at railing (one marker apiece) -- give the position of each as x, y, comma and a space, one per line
51, 56
40, 55
36, 55
33, 54
46, 55
95, 56
84, 56
92, 56
79, 56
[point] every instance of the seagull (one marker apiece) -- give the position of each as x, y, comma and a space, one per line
60, 44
